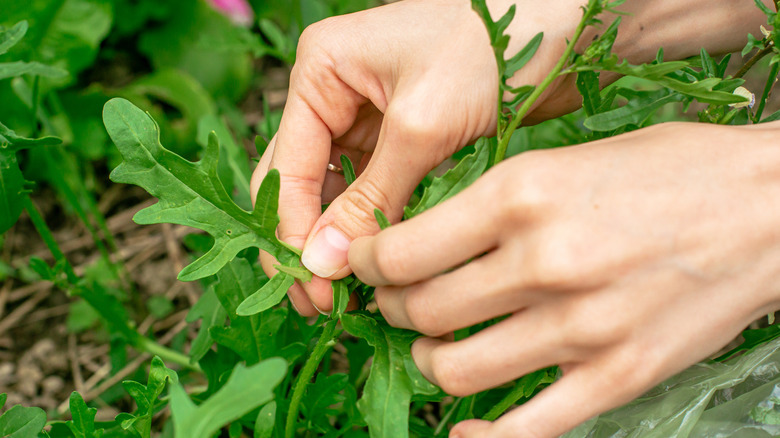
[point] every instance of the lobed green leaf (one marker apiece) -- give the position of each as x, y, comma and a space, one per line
454, 180
247, 389
191, 193
393, 379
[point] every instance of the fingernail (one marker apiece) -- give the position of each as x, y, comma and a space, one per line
292, 303
318, 309
326, 254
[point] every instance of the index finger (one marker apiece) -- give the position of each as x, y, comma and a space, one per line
443, 237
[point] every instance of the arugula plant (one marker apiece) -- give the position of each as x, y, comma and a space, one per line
193, 194
256, 367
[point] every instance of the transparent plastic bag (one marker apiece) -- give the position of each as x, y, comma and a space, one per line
736, 398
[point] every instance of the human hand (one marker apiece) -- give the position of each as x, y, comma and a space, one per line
397, 89
622, 261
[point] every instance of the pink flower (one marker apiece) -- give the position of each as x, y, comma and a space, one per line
238, 11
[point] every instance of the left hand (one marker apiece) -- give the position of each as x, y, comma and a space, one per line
622, 261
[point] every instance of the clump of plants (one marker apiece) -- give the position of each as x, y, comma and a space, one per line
258, 369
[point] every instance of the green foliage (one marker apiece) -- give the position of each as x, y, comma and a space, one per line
454, 180
83, 423
246, 389
181, 71
146, 398
192, 193
21, 422
394, 378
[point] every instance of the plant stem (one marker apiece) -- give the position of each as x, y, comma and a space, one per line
447, 416
546, 82
166, 354
752, 61
510, 399
770, 82
299, 387
35, 92
48, 238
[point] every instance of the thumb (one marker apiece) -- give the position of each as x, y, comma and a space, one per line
403, 157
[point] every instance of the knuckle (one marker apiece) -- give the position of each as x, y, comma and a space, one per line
589, 325
556, 264
527, 186
422, 313
315, 34
390, 260
411, 121
358, 204
452, 377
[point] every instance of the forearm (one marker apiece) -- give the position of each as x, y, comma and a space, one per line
681, 28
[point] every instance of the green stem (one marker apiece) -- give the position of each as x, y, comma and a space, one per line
299, 387
770, 81
166, 354
447, 416
546, 82
752, 61
507, 402
35, 93
48, 238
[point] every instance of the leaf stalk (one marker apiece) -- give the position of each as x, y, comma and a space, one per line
506, 135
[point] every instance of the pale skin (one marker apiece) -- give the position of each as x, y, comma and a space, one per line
622, 261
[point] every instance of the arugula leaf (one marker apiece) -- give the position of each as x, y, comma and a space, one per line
268, 296
753, 338
83, 423
10, 37
211, 314
233, 160
635, 112
321, 401
340, 297
349, 169
394, 378
297, 272
12, 191
454, 180
191, 193
19, 68
146, 396
703, 90
21, 422
521, 58
588, 86
65, 33
381, 219
266, 418
247, 389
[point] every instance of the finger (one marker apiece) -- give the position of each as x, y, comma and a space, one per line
457, 299
584, 391
301, 154
485, 360
443, 237
262, 169
397, 166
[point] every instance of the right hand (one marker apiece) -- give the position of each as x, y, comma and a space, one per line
397, 89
